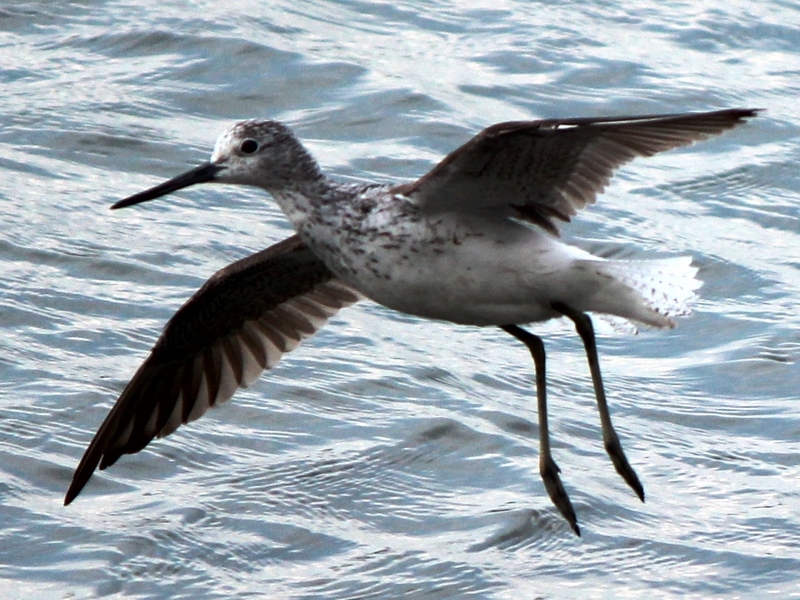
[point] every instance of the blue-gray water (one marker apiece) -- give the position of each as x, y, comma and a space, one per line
389, 457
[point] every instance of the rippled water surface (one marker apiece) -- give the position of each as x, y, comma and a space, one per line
391, 457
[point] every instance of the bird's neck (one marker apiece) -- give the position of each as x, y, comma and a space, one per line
307, 197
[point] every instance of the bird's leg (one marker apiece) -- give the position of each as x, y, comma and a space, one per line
548, 468
583, 324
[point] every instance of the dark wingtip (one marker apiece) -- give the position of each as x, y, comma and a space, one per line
73, 491
746, 113
89, 461
740, 115
84, 472
639, 491
81, 477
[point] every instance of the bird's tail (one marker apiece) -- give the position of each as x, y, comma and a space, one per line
647, 291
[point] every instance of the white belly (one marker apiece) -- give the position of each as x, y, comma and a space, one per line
465, 270
478, 269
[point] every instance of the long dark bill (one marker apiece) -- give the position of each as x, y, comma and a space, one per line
202, 174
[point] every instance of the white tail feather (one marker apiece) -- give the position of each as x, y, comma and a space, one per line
648, 291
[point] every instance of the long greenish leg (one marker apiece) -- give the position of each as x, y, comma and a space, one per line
548, 469
583, 325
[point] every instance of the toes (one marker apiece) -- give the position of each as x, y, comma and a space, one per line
555, 489
623, 467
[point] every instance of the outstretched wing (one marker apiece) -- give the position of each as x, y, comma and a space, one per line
543, 171
239, 323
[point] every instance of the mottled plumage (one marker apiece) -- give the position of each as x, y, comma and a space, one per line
475, 241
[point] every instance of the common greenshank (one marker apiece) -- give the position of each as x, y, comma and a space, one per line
474, 242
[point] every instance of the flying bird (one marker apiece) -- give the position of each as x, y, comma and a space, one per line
475, 242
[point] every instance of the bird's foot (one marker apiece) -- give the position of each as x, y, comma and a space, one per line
555, 489
621, 464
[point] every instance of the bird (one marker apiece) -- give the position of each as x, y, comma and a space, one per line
476, 241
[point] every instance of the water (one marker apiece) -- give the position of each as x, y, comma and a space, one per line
390, 457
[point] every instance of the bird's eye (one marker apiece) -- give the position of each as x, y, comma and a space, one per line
248, 146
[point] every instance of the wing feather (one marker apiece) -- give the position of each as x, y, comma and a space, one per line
546, 171
239, 323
